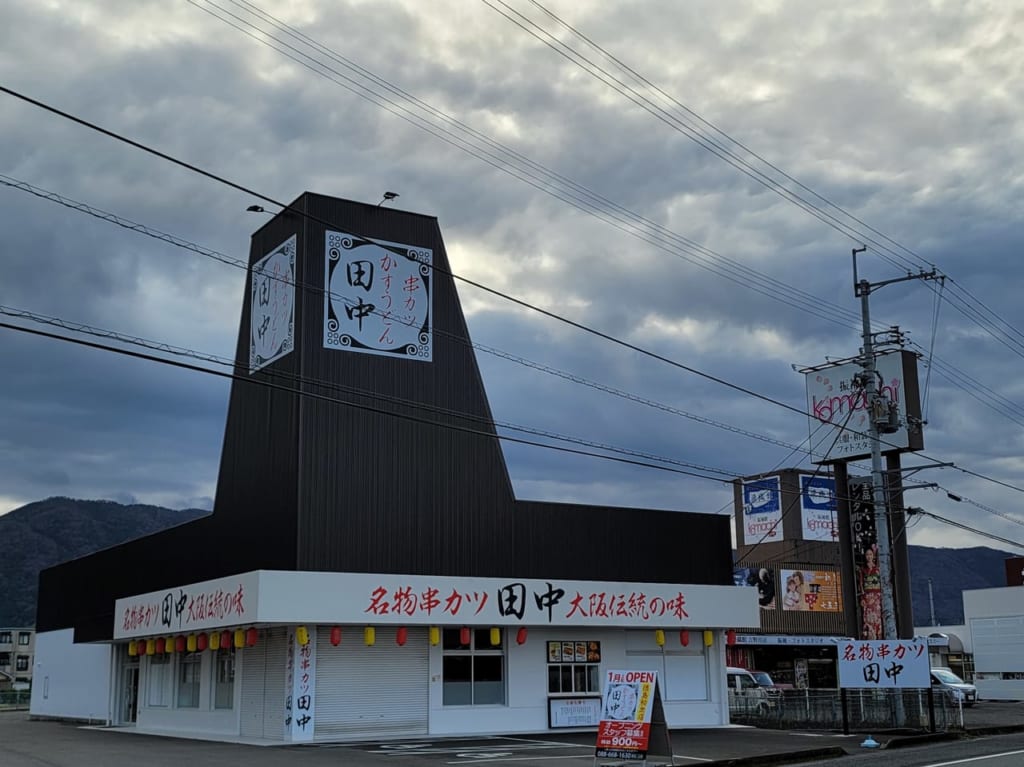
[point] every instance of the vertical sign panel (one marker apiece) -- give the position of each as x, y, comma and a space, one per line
300, 703
762, 510
378, 297
272, 306
625, 727
818, 508
868, 579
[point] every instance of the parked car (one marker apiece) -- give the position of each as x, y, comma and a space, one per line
746, 696
768, 684
945, 681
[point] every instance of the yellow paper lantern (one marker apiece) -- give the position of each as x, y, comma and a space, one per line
214, 640
190, 643
169, 645
709, 637
659, 637
150, 647
369, 636
302, 636
435, 635
239, 639
131, 648
495, 636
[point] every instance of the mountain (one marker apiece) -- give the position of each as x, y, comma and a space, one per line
951, 571
48, 532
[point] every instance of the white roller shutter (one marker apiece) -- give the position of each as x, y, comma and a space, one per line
263, 694
371, 691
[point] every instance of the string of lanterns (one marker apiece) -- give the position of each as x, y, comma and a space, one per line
241, 638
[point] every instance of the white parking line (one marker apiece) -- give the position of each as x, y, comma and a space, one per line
520, 758
975, 759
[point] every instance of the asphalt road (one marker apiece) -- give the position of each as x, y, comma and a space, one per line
992, 751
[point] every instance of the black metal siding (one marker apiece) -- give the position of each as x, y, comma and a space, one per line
375, 483
386, 492
558, 540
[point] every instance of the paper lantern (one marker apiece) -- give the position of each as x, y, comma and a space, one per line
402, 635
464, 635
435, 635
202, 641
179, 643
336, 636
161, 645
302, 635
709, 637
169, 645
225, 640
131, 648
215, 640
684, 638
369, 636
239, 639
191, 643
521, 635
150, 646
659, 637
495, 636
730, 637
251, 635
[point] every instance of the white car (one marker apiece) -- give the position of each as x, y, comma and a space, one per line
946, 681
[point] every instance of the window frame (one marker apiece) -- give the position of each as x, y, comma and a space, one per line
473, 652
160, 667
23, 663
24, 638
194, 661
215, 683
6, 637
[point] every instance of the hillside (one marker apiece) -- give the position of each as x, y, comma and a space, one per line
952, 571
48, 532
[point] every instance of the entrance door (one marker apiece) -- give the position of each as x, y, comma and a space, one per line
130, 693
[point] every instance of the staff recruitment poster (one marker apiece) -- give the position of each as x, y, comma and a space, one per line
630, 698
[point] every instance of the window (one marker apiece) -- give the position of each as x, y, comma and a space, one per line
5, 659
224, 679
474, 673
24, 637
22, 663
188, 680
158, 680
574, 667
5, 637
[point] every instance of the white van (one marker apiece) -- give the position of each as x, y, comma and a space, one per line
745, 694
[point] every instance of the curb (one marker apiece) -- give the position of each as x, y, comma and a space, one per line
906, 741
785, 757
999, 729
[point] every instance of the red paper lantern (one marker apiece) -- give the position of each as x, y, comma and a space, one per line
161, 645
464, 635
179, 643
402, 635
521, 635
730, 637
202, 642
225, 640
336, 636
684, 638
250, 637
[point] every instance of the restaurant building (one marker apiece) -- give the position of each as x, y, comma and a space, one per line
367, 571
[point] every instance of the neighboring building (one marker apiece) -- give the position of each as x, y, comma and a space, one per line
367, 570
17, 648
995, 618
950, 647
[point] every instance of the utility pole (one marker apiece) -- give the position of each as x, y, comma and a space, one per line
931, 602
879, 414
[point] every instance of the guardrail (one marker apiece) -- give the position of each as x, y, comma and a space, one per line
15, 699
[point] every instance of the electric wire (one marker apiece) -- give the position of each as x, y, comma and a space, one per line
524, 304
577, 196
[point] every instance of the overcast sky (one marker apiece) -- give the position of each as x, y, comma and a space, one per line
908, 116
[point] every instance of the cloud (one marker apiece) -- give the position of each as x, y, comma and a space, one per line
907, 116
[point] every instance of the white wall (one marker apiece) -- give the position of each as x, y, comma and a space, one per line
691, 697
205, 718
71, 680
996, 621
